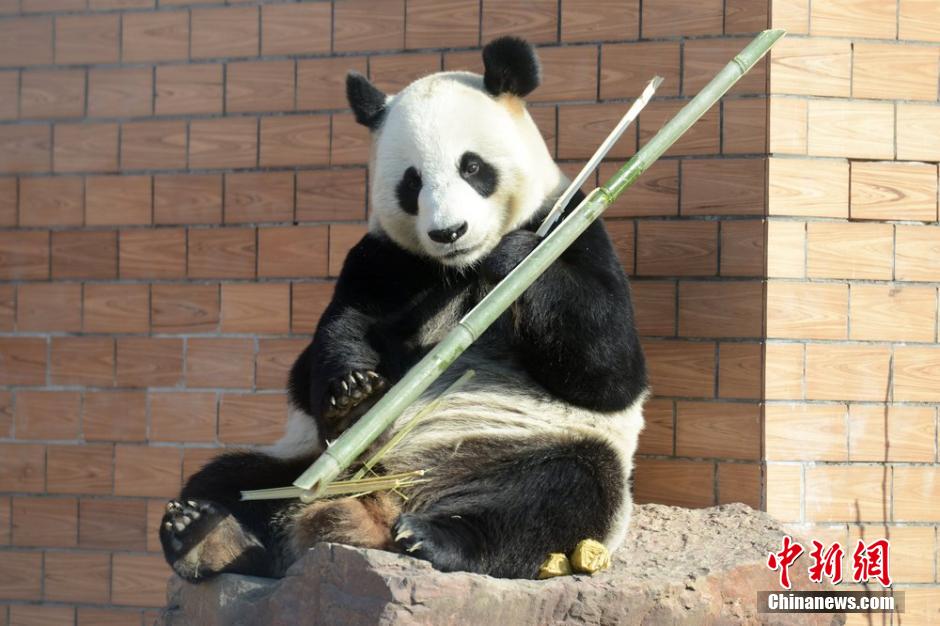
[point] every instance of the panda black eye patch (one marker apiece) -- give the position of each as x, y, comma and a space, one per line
478, 173
407, 191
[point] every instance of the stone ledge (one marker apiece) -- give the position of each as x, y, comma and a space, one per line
678, 566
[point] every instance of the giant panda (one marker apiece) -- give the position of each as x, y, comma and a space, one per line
535, 452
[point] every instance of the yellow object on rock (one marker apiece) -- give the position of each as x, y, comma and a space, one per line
590, 556
555, 565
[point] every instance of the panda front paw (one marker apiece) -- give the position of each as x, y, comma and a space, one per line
508, 253
185, 524
429, 539
346, 392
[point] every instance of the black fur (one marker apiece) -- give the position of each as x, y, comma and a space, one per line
407, 191
478, 173
367, 101
510, 66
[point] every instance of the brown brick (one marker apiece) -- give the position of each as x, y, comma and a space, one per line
918, 20
118, 200
330, 195
25, 148
675, 483
91, 254
256, 308
657, 434
893, 313
846, 372
622, 235
274, 359
744, 126
815, 188
23, 467
805, 432
850, 250
26, 41
568, 73
739, 482
654, 304
7, 307
77, 577
117, 308
55, 201
252, 418
120, 92
187, 199
909, 429
259, 86
627, 67
723, 309
663, 18
222, 253
149, 362
186, 417
918, 253
677, 249
293, 251
740, 366
703, 58
442, 24
582, 127
115, 416
321, 83
917, 125
308, 301
364, 25
52, 93
894, 72
223, 143
742, 248
807, 310
915, 491
535, 21
48, 414
87, 361
681, 368
295, 140
147, 471
22, 361
189, 89
5, 514
853, 18
350, 142
87, 38
9, 94
811, 67
228, 32
138, 580
110, 523
295, 28
45, 522
894, 191
153, 145
158, 253
392, 73
85, 148
88, 616
49, 307
184, 308
220, 363
592, 20
259, 197
194, 459
342, 238
79, 469
718, 429
702, 138
915, 373
162, 36
41, 615
848, 128
656, 192
723, 187
21, 578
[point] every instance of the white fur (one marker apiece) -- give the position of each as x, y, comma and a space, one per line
301, 436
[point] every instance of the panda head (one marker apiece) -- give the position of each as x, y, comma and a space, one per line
456, 161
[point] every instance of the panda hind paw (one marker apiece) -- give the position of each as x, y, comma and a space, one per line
429, 540
184, 524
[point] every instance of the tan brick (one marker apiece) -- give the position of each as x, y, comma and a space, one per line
918, 253
86, 148
916, 489
392, 73
811, 67
259, 86
184, 308
677, 248
77, 577
918, 125
228, 32
293, 251
703, 58
739, 482
815, 188
147, 471
805, 432
195, 459
295, 140
784, 484
807, 310
117, 200
893, 313
894, 72
55, 201
910, 432
26, 41
786, 245
189, 89
442, 24
159, 253
718, 429
321, 83
220, 363
724, 309
274, 360
223, 143
536, 21
744, 126
256, 308
674, 482
48, 414
49, 307
349, 141
153, 145
252, 419
593, 20
681, 368
87, 38
331, 195
160, 36
187, 199
666, 18
846, 493
296, 28
186, 417
783, 377
22, 361
120, 92
740, 369
21, 577
846, 372
138, 580
52, 93
111, 523
918, 20
259, 197
45, 522
912, 551
79, 469
222, 253
849, 250
894, 191
853, 18
850, 128
115, 415
87, 361
723, 187
149, 362
787, 132
915, 373
308, 301
116, 308
90, 254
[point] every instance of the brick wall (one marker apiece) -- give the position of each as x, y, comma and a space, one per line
853, 262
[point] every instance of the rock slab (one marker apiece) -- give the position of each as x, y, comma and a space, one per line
678, 566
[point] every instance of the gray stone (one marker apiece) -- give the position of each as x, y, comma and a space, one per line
678, 566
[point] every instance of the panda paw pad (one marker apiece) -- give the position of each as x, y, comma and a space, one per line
183, 520
350, 390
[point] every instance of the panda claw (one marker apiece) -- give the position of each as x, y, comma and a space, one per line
415, 547
191, 503
404, 535
168, 525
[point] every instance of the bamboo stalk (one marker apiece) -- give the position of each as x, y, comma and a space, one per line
347, 448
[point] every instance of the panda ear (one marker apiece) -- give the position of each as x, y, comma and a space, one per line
510, 66
366, 100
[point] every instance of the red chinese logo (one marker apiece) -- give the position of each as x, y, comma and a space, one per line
784, 559
868, 562
871, 562
828, 563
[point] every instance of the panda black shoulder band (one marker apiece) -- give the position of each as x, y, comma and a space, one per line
350, 445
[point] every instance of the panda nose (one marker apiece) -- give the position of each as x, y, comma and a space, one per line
449, 234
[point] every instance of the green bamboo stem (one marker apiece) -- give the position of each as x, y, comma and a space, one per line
348, 447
